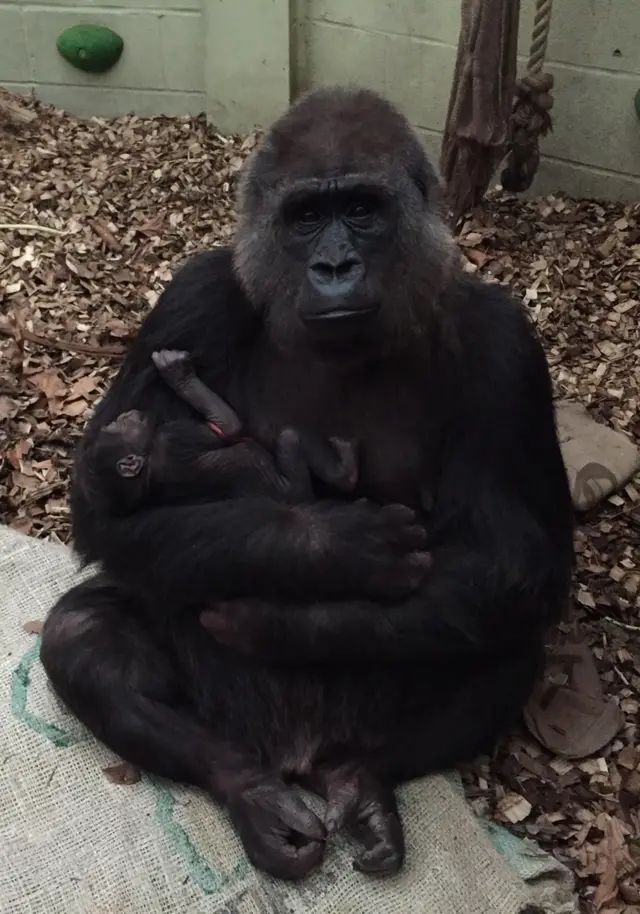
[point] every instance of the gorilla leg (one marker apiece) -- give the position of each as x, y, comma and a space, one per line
465, 718
103, 663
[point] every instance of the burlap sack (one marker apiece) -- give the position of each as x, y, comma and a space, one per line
71, 842
598, 459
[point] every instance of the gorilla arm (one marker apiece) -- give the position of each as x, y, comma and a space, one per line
500, 538
180, 553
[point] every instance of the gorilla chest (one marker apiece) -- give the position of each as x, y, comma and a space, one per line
388, 421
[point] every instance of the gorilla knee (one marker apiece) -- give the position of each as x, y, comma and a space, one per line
62, 631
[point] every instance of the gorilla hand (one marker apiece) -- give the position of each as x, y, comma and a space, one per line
375, 553
280, 834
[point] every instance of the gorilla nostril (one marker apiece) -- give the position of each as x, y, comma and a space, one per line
327, 273
346, 268
324, 272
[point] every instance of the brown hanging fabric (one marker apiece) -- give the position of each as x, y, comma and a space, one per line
477, 131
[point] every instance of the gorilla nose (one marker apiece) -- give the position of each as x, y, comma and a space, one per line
336, 280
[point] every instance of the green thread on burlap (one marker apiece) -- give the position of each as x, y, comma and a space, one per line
20, 682
210, 881
207, 879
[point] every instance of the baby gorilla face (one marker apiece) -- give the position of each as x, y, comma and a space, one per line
125, 444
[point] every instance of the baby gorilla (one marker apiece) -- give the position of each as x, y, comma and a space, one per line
134, 459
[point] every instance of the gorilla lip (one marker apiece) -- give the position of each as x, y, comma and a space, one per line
336, 314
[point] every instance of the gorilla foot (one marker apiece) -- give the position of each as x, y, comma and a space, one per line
174, 366
280, 834
367, 809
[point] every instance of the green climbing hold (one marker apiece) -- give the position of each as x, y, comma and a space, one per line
94, 48
638, 104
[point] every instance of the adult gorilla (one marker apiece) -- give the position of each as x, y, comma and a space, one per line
339, 311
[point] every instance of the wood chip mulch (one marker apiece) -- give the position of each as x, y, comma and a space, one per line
94, 218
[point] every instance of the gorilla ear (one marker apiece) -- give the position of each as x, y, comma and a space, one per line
421, 184
429, 181
256, 176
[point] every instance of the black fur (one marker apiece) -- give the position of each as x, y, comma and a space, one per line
365, 668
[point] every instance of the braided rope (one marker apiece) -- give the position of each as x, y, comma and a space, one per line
530, 118
540, 36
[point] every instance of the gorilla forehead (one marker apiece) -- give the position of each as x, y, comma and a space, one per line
338, 131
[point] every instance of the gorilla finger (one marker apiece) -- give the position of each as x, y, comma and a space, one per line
217, 623
282, 860
421, 561
382, 860
400, 514
382, 839
339, 808
413, 538
299, 818
413, 571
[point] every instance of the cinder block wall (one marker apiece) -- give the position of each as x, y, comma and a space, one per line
161, 69
406, 49
242, 60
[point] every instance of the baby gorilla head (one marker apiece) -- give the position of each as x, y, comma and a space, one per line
125, 443
121, 458
340, 240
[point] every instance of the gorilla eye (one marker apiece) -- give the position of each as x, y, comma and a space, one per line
362, 211
309, 218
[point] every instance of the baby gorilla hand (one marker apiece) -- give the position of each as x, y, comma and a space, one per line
280, 834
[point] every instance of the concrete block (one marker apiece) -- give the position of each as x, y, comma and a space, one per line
164, 5
247, 62
594, 119
14, 58
139, 67
100, 101
182, 49
589, 34
435, 19
414, 74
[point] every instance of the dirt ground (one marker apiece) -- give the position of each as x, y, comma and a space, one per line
94, 218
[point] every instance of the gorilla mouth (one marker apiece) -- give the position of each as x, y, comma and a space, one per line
340, 314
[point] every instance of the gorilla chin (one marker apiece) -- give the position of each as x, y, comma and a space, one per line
350, 335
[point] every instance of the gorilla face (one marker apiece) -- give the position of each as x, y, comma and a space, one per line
340, 243
335, 235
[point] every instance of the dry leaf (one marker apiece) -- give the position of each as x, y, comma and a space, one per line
586, 599
82, 387
106, 235
49, 383
78, 268
123, 773
607, 890
76, 408
514, 808
8, 408
33, 628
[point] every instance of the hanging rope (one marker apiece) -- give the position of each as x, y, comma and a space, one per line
530, 118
